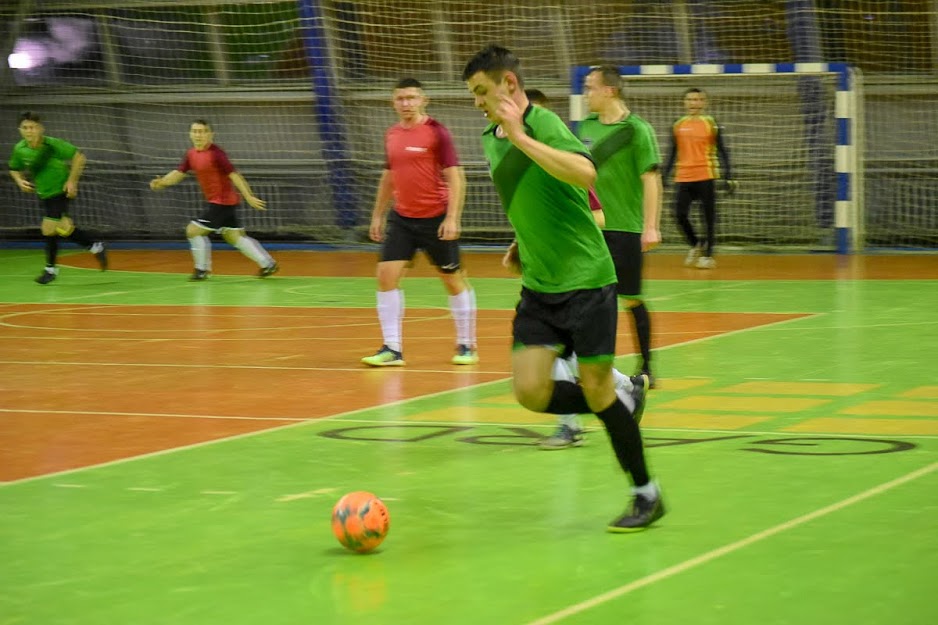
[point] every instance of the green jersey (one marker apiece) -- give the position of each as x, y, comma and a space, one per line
560, 246
46, 164
622, 151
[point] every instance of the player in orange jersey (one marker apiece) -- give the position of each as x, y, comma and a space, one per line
696, 146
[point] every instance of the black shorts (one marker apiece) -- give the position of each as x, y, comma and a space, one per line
218, 217
626, 251
687, 192
405, 235
55, 207
577, 321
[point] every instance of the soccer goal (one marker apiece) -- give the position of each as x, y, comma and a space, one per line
792, 131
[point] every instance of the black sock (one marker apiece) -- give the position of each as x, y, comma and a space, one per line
626, 441
80, 237
52, 250
568, 398
643, 332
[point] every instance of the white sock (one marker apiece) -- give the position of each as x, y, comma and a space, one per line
391, 315
562, 372
626, 398
574, 366
648, 491
622, 381
254, 250
201, 252
463, 307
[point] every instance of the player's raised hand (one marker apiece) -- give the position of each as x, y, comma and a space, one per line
509, 116
156, 184
730, 186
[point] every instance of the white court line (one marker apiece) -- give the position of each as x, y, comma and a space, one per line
709, 556
174, 415
164, 452
711, 337
171, 365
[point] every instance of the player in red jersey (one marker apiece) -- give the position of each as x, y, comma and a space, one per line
423, 177
218, 179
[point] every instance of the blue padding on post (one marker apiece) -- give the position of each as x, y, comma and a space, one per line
843, 240
843, 186
843, 131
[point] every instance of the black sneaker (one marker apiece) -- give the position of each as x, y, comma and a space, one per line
198, 275
643, 513
100, 252
651, 378
46, 277
269, 270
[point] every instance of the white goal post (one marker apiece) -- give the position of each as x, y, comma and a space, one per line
794, 133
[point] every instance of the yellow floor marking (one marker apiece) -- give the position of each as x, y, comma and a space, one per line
679, 384
922, 392
686, 420
508, 399
866, 426
744, 404
895, 407
799, 388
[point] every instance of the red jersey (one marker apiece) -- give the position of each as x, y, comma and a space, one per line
211, 167
416, 158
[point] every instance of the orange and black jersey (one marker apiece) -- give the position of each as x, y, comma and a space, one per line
696, 146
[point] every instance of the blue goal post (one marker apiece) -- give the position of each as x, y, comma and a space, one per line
847, 219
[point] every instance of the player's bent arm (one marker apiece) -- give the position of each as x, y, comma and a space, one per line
384, 195
78, 166
456, 184
21, 181
570, 167
173, 177
651, 202
723, 155
245, 189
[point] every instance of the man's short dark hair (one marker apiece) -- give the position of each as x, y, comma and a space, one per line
408, 83
202, 122
29, 116
537, 96
695, 90
494, 61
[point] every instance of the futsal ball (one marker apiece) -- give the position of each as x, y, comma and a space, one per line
360, 521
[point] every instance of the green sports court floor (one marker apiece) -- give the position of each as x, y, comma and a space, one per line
170, 451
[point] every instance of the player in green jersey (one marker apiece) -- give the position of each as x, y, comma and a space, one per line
628, 183
50, 168
541, 173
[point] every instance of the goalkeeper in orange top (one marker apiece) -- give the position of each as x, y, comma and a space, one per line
696, 146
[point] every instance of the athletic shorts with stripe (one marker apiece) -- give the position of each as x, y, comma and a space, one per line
576, 321
55, 207
218, 217
406, 235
